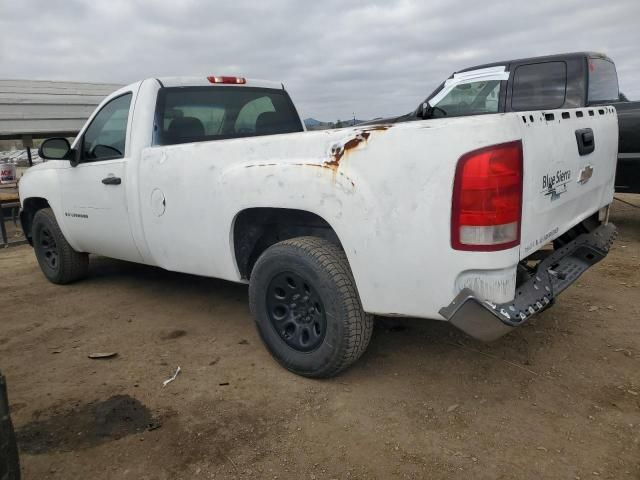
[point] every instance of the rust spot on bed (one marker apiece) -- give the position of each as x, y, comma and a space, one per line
338, 151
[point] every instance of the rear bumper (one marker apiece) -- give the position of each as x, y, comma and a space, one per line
488, 321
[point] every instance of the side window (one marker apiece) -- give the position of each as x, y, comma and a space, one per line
539, 86
603, 81
105, 138
471, 98
249, 114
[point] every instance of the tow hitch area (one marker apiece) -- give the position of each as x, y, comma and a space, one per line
488, 321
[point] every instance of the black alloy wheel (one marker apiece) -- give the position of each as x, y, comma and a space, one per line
49, 249
296, 311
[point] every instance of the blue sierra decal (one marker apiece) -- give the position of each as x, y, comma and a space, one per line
561, 177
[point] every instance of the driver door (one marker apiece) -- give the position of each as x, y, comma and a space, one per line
93, 193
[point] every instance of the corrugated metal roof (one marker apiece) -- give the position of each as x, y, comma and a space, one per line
46, 108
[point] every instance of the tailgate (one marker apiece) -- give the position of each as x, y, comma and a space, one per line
569, 169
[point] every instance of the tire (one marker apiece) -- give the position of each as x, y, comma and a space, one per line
306, 307
59, 262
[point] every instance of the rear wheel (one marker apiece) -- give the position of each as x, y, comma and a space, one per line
306, 307
59, 262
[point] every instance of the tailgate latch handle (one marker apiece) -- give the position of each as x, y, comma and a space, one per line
586, 141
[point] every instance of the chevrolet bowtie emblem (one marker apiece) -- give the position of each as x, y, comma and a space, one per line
585, 174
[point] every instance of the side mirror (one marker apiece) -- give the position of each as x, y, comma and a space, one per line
425, 111
55, 149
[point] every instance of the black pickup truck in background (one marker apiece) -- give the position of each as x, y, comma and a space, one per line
568, 80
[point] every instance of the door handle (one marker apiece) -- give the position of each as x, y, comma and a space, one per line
112, 180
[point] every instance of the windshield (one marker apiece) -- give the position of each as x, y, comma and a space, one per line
197, 114
471, 98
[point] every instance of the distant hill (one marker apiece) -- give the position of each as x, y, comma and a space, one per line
311, 122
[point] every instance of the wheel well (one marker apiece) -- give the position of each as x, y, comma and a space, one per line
29, 208
256, 229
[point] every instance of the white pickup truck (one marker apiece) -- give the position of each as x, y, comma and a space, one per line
443, 219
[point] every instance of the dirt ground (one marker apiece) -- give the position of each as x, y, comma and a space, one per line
558, 398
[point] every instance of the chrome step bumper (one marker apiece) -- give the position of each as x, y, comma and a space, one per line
488, 321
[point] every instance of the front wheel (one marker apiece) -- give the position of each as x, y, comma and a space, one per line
59, 262
306, 307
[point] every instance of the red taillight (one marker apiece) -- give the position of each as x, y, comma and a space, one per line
487, 199
233, 80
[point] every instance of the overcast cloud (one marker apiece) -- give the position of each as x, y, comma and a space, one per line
374, 58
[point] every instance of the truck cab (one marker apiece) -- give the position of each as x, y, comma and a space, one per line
98, 184
540, 83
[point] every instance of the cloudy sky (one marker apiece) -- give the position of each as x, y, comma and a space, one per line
372, 58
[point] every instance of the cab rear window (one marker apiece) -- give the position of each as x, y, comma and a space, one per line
198, 114
539, 86
603, 81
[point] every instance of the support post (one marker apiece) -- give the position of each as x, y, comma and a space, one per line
3, 230
27, 143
